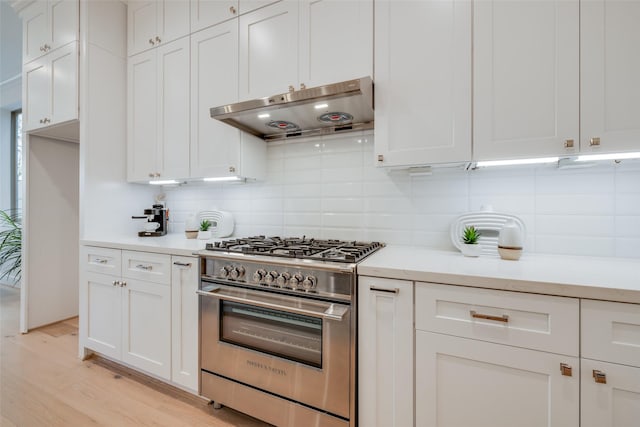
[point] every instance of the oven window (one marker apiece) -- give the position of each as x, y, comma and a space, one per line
291, 336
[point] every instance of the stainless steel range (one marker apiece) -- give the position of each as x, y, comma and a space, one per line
278, 328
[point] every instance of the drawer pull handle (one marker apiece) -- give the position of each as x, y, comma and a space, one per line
101, 261
144, 267
599, 377
504, 318
182, 264
566, 370
389, 291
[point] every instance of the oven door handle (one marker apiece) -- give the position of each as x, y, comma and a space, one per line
332, 312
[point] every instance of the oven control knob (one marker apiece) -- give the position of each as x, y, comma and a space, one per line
224, 272
309, 283
259, 275
296, 280
283, 279
237, 272
270, 277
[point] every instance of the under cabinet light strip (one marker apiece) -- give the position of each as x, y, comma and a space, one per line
610, 156
164, 182
489, 163
222, 178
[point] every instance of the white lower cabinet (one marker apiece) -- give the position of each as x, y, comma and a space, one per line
462, 382
184, 321
385, 352
142, 309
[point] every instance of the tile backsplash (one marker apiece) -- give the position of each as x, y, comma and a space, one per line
330, 188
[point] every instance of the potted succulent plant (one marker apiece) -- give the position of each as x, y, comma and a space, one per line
470, 237
10, 246
204, 233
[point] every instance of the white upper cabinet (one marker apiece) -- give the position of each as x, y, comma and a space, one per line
295, 44
422, 89
158, 112
152, 23
50, 88
205, 13
269, 50
247, 6
610, 66
336, 41
526, 78
48, 25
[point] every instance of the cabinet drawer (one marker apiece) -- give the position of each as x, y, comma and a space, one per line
102, 260
533, 321
146, 266
611, 332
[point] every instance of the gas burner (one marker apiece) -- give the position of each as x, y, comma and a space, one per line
299, 247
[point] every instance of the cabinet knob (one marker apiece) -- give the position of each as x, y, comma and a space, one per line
380, 158
41, 120
47, 120
151, 42
157, 174
46, 48
115, 283
232, 169
568, 143
123, 284
566, 370
302, 86
41, 48
232, 10
151, 175
599, 377
291, 88
594, 142
158, 39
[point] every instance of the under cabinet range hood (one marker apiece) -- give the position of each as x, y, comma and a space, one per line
335, 108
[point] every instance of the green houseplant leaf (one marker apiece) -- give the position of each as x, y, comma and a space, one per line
10, 245
205, 224
470, 235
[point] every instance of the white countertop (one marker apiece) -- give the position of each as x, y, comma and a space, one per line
172, 244
613, 279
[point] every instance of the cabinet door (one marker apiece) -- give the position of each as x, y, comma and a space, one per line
104, 314
64, 83
463, 382
173, 102
609, 69
526, 78
184, 322
423, 96
37, 93
141, 25
615, 403
335, 32
142, 115
35, 28
146, 327
214, 82
205, 13
269, 50
247, 6
63, 22
173, 20
385, 346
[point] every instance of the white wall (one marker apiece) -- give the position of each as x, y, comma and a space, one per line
330, 188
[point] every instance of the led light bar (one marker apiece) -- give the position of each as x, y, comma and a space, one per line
610, 156
489, 163
164, 182
222, 178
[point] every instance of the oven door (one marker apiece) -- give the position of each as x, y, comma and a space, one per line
297, 348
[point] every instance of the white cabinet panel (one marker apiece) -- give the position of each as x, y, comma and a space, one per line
37, 93
184, 322
47, 26
269, 50
335, 32
34, 30
63, 21
146, 326
104, 314
422, 89
462, 382
142, 114
215, 146
247, 6
102, 260
146, 266
173, 20
526, 85
205, 13
154, 23
385, 347
610, 65
615, 403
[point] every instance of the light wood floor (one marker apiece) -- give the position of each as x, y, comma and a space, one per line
43, 383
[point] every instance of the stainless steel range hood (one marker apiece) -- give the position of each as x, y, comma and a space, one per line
334, 108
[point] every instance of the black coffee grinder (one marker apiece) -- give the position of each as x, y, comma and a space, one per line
158, 214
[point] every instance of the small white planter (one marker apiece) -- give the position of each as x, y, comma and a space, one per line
471, 250
204, 235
